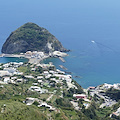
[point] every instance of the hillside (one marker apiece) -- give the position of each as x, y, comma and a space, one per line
43, 92
14, 110
31, 37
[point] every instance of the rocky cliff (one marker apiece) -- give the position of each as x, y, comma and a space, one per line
31, 37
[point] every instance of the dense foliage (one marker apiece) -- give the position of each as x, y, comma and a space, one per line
113, 93
18, 111
62, 102
31, 37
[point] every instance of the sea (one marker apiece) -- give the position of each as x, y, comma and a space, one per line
12, 59
89, 28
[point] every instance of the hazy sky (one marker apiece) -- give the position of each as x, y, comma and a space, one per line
71, 19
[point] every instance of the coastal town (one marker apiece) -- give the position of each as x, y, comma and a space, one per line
47, 87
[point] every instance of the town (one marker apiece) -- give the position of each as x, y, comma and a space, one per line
47, 87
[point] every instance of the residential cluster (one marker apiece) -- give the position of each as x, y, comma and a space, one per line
48, 84
42, 82
8, 71
100, 91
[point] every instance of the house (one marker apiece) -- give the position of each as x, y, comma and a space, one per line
70, 85
45, 73
75, 105
51, 72
13, 78
38, 89
12, 81
116, 114
4, 73
34, 83
69, 80
107, 86
29, 76
64, 77
33, 69
80, 96
44, 104
6, 65
39, 81
19, 80
35, 88
1, 82
10, 70
6, 80
59, 71
28, 53
40, 77
29, 101
48, 76
91, 88
52, 79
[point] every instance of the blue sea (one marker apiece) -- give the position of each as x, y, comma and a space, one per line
12, 59
89, 28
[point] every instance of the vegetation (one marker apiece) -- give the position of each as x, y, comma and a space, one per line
113, 93
26, 69
14, 110
13, 97
31, 37
62, 102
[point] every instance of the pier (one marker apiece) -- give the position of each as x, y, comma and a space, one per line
61, 59
61, 66
1, 55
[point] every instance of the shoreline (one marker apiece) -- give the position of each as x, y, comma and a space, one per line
38, 60
36, 57
30, 59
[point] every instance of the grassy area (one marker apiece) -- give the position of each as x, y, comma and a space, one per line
44, 96
18, 111
53, 98
23, 69
102, 113
71, 114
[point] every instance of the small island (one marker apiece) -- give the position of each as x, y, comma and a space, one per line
33, 42
31, 37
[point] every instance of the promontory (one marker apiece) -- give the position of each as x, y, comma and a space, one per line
31, 37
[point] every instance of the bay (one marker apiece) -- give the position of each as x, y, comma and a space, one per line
75, 24
12, 59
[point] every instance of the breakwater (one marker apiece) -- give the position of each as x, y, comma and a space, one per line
62, 59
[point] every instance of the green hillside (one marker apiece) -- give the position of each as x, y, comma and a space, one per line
31, 37
15, 110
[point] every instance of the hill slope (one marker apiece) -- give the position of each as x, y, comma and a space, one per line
18, 111
31, 37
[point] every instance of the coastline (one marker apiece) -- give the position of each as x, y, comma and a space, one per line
36, 57
30, 59
36, 60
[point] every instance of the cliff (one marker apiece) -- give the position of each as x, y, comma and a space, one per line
31, 37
